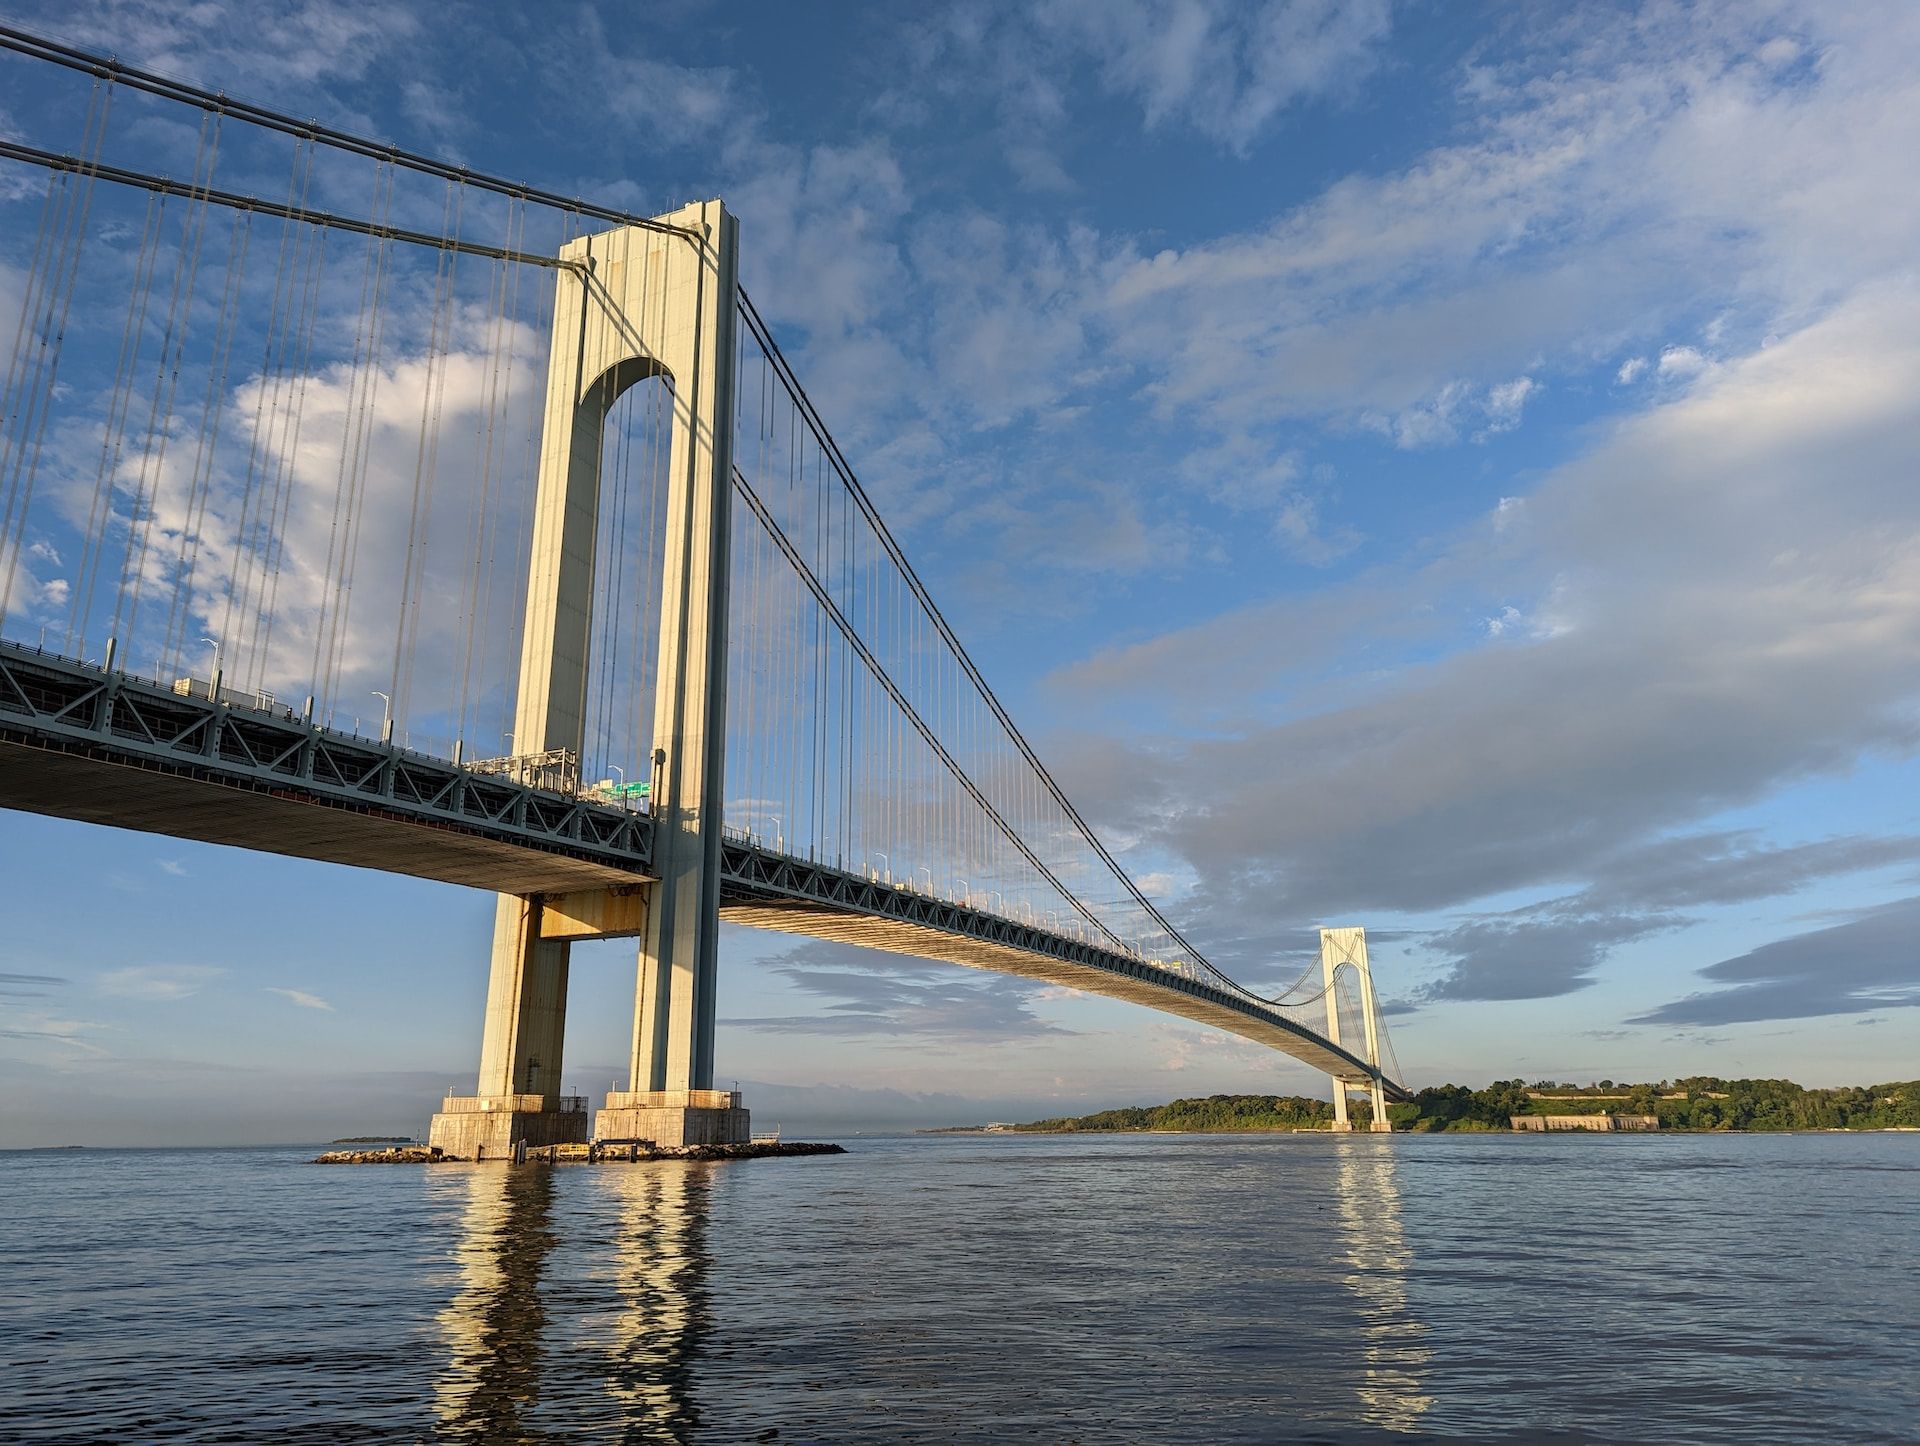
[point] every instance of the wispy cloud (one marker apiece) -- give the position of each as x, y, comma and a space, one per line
27, 986
158, 981
1872, 962
301, 998
869, 995
34, 1026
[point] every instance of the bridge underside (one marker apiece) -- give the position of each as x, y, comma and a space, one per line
897, 936
282, 820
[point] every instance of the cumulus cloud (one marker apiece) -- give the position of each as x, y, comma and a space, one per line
1681, 362
1648, 162
1735, 578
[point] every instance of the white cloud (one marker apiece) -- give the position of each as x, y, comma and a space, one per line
1630, 370
1506, 401
301, 998
171, 866
1227, 68
1681, 362
299, 45
31, 1026
158, 981
1646, 168
1720, 599
1456, 406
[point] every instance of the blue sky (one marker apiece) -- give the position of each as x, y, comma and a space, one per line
1448, 470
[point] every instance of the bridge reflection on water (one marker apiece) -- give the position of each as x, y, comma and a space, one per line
548, 1335
511, 1337
1394, 1353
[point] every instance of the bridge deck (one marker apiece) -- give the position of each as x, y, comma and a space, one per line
767, 890
79, 742
283, 820
896, 936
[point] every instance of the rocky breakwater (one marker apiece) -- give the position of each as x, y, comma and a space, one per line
758, 1150
585, 1154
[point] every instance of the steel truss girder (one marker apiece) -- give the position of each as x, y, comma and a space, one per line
74, 707
752, 874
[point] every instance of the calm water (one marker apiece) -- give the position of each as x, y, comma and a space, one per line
1759, 1288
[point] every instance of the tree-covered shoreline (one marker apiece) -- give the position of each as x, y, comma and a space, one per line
1699, 1103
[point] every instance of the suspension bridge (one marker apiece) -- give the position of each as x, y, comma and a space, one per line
359, 507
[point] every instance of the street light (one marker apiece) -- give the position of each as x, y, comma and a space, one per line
213, 687
886, 865
386, 716
779, 839
966, 893
923, 869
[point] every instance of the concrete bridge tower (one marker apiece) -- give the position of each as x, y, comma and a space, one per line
1347, 949
635, 303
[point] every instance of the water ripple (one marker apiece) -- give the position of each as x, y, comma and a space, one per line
1203, 1289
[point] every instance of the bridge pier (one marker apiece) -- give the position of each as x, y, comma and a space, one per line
517, 1099
671, 1099
1347, 949
636, 302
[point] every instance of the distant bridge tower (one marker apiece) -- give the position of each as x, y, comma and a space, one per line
1347, 949
638, 303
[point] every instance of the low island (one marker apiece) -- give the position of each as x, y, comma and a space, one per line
1699, 1103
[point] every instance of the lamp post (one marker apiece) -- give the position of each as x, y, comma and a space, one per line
386, 715
886, 865
213, 686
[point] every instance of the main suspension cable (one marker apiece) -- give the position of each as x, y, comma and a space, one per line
107, 66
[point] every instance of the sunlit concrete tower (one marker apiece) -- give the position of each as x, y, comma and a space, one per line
1347, 949
632, 303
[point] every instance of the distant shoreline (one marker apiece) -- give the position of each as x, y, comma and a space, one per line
1324, 1130
1694, 1105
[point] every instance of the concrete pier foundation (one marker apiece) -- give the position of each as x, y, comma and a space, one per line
672, 1117
517, 1098
495, 1127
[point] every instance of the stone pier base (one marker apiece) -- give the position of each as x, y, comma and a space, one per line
492, 1127
673, 1117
